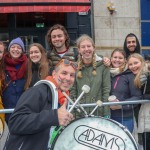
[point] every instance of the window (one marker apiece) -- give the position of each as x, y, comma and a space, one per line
32, 20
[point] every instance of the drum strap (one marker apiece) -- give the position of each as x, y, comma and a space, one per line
54, 102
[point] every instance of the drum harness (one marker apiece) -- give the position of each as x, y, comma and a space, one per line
54, 103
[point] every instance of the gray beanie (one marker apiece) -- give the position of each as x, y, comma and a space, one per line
17, 41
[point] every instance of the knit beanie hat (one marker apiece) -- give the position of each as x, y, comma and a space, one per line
17, 41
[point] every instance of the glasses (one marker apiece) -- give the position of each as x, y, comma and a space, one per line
67, 63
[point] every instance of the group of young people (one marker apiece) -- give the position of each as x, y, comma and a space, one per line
125, 74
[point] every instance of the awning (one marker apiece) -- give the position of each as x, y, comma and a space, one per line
21, 6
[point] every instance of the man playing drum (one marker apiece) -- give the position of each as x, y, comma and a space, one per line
34, 115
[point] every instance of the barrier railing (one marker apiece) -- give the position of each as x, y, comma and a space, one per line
5, 111
96, 105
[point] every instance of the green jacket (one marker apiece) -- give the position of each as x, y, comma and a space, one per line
99, 88
71, 55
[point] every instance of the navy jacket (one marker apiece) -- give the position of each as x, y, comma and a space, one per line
122, 86
12, 93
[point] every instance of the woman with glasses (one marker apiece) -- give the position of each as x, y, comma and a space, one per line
93, 73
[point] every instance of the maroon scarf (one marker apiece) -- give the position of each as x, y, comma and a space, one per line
11, 64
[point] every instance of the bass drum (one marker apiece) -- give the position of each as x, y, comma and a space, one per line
94, 133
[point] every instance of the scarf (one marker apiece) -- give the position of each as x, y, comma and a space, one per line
12, 64
61, 97
116, 71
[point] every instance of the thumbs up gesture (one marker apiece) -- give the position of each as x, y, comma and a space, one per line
64, 117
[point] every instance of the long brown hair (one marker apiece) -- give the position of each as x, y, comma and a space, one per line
137, 81
55, 27
2, 69
43, 66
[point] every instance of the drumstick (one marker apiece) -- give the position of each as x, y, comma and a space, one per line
85, 89
98, 104
70, 100
77, 104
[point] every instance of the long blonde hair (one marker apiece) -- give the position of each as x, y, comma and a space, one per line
80, 61
142, 70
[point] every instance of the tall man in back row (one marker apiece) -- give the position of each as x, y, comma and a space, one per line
59, 42
33, 117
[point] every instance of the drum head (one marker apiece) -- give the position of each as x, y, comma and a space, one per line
94, 133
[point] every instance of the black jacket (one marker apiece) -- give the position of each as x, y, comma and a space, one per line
122, 86
146, 89
30, 123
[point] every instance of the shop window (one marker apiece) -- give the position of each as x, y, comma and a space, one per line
3, 21
4, 37
39, 20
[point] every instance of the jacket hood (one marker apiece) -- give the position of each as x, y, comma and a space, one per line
137, 49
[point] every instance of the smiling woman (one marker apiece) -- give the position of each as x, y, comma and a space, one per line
141, 70
38, 65
93, 73
123, 88
15, 70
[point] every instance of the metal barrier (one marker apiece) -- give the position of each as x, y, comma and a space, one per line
6, 111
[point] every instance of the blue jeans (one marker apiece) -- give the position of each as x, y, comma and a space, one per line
127, 122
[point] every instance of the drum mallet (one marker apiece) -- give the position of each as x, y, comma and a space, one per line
85, 89
98, 104
70, 100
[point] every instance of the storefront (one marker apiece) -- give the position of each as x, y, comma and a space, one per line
30, 19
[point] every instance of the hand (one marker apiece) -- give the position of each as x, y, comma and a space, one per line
106, 61
114, 107
64, 117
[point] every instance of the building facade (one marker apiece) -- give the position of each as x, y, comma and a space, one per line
107, 21
112, 25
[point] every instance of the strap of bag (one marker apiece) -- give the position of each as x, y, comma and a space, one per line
54, 103
53, 90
